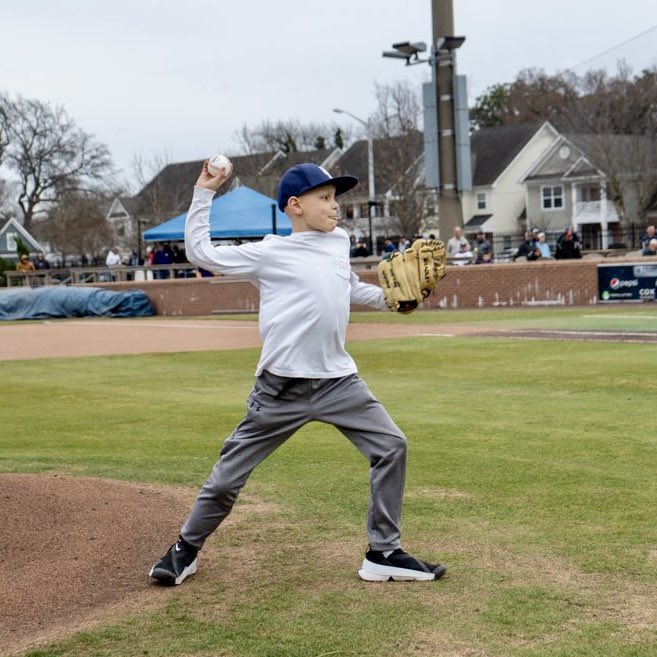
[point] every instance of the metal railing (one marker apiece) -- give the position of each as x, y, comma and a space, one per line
95, 275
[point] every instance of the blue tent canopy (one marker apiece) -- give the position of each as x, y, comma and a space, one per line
240, 213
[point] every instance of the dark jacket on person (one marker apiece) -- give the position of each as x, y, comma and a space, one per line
568, 246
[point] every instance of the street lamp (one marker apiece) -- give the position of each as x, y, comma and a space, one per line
370, 169
447, 138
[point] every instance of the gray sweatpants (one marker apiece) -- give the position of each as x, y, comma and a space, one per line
277, 407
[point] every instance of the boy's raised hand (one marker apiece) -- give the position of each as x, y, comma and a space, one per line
208, 181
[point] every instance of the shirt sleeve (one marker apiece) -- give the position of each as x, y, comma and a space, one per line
242, 260
365, 294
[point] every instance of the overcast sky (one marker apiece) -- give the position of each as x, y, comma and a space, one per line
179, 78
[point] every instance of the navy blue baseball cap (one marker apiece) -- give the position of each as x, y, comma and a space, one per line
304, 177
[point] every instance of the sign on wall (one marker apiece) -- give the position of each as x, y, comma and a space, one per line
632, 282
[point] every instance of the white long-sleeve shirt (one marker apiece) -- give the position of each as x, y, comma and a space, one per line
306, 287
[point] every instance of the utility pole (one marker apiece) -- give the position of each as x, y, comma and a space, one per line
449, 203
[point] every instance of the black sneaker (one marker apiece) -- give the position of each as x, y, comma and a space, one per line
398, 566
176, 565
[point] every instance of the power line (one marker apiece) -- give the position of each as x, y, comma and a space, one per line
618, 45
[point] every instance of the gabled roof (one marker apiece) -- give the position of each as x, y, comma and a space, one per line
386, 161
169, 192
493, 149
617, 154
564, 158
12, 226
582, 169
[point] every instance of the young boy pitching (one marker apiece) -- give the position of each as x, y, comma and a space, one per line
306, 287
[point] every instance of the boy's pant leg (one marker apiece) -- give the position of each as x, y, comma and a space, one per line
353, 409
267, 425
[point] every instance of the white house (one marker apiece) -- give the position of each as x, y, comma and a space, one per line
10, 233
501, 158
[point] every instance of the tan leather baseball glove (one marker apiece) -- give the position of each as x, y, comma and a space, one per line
408, 278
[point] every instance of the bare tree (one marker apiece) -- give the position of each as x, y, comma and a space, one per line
611, 118
396, 124
4, 125
50, 155
532, 97
290, 136
165, 189
615, 124
76, 226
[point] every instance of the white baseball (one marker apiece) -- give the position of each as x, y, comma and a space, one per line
219, 164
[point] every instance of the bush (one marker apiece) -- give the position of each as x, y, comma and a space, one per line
3, 267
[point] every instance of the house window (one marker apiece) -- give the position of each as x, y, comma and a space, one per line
11, 241
588, 194
552, 197
481, 200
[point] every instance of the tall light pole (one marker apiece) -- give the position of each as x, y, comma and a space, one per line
442, 31
371, 192
447, 140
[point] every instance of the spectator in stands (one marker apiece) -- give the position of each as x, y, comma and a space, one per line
543, 246
113, 258
389, 246
568, 245
651, 248
403, 244
649, 235
528, 248
135, 259
454, 243
361, 250
179, 258
41, 262
163, 256
482, 249
465, 256
24, 264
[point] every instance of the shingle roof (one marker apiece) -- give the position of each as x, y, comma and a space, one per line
386, 159
493, 149
171, 189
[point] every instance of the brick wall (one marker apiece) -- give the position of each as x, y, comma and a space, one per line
568, 283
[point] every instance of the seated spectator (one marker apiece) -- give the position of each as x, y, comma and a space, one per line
649, 235
389, 247
25, 264
543, 246
454, 243
403, 244
361, 251
651, 249
482, 249
41, 262
113, 258
568, 245
528, 248
464, 257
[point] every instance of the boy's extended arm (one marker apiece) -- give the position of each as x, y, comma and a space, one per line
365, 294
239, 260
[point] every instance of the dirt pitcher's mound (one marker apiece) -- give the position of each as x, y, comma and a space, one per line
71, 547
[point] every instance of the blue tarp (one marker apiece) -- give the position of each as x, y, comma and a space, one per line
64, 301
240, 213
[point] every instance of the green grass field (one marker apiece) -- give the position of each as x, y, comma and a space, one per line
532, 475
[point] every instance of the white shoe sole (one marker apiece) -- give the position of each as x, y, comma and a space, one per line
373, 572
190, 570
